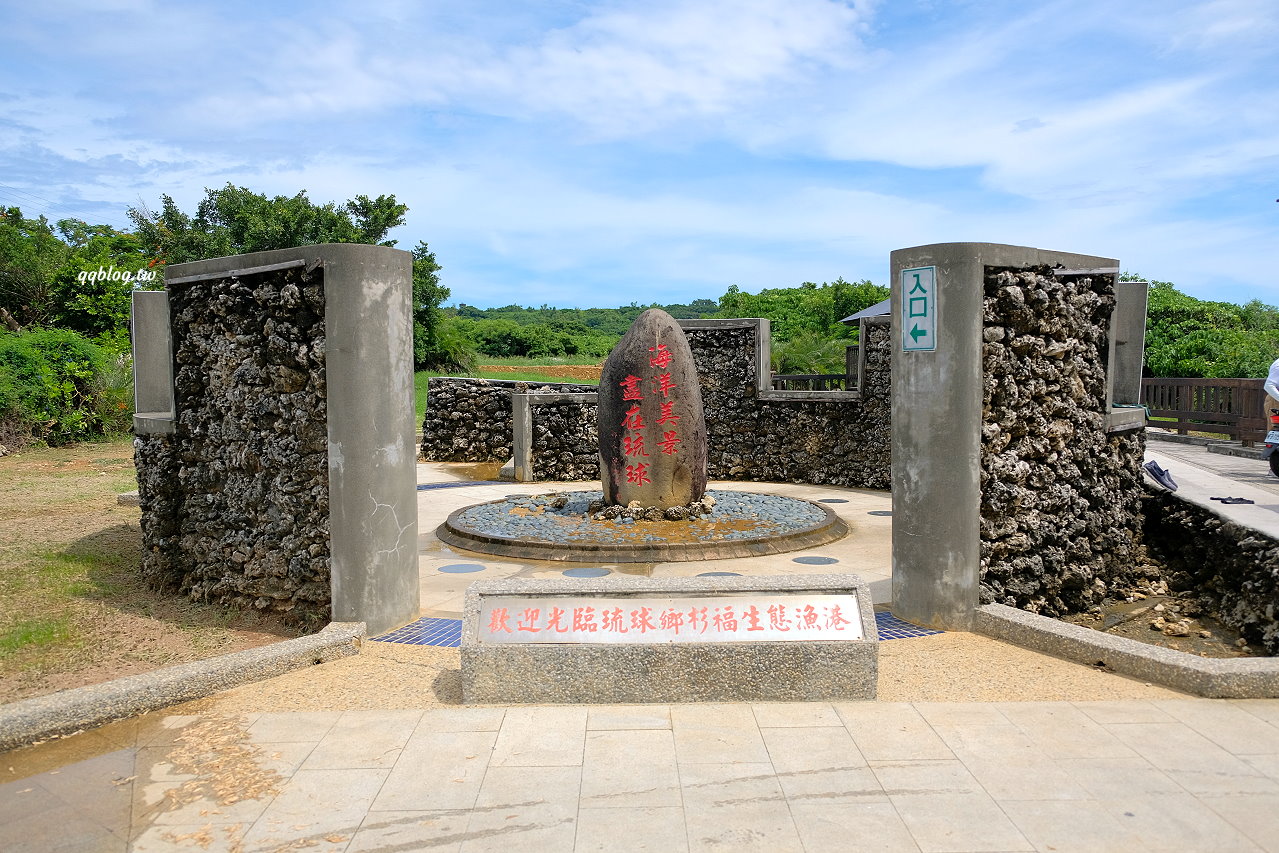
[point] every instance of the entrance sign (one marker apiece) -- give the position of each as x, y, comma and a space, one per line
919, 309
670, 619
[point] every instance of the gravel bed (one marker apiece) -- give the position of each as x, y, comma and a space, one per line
737, 515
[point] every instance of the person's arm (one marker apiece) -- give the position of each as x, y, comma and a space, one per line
1272, 381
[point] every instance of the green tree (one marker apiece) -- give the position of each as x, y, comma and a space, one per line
92, 288
432, 349
809, 308
1191, 337
234, 220
30, 253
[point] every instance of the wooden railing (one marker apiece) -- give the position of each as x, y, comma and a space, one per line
813, 382
1231, 407
846, 381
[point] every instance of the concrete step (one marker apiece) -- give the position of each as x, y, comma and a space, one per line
1159, 435
1234, 448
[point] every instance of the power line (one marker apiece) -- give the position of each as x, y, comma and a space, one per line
49, 208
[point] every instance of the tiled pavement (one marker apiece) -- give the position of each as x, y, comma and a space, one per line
1190, 774
1089, 776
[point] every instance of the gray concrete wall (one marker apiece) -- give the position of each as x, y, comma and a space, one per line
288, 481
152, 362
937, 416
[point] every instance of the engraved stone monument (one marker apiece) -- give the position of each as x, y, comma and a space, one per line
652, 429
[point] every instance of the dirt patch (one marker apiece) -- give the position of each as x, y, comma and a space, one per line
75, 610
1175, 621
568, 372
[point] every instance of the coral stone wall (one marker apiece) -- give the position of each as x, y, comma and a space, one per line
235, 501
1061, 511
1234, 569
565, 441
469, 420
837, 441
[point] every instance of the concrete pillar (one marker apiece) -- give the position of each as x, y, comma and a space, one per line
152, 362
937, 303
372, 454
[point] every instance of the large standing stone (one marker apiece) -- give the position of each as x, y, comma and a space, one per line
651, 425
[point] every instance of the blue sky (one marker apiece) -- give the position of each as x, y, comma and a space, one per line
599, 153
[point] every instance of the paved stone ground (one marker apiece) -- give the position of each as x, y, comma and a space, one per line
1081, 776
1138, 774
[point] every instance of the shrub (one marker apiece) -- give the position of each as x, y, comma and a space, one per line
56, 386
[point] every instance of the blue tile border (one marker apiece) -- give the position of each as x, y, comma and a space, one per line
424, 487
892, 628
435, 631
428, 631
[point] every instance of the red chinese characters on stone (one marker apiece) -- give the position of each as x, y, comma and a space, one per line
641, 620
633, 419
553, 621
724, 619
671, 620
664, 384
807, 616
584, 619
613, 621
835, 618
497, 620
633, 445
666, 414
668, 442
776, 617
631, 388
637, 473
663, 358
529, 619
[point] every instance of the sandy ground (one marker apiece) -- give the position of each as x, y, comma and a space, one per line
69, 556
950, 667
566, 372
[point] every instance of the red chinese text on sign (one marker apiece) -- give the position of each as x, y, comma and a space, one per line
663, 357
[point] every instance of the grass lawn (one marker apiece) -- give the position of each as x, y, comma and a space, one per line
72, 608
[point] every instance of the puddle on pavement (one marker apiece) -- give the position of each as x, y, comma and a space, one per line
62, 752
476, 471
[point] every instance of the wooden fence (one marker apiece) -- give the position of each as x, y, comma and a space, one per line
1232, 407
846, 381
813, 382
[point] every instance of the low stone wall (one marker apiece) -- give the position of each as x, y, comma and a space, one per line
1061, 511
565, 440
235, 501
839, 441
818, 437
1234, 569
469, 420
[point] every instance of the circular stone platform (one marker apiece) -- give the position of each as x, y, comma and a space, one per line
744, 524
